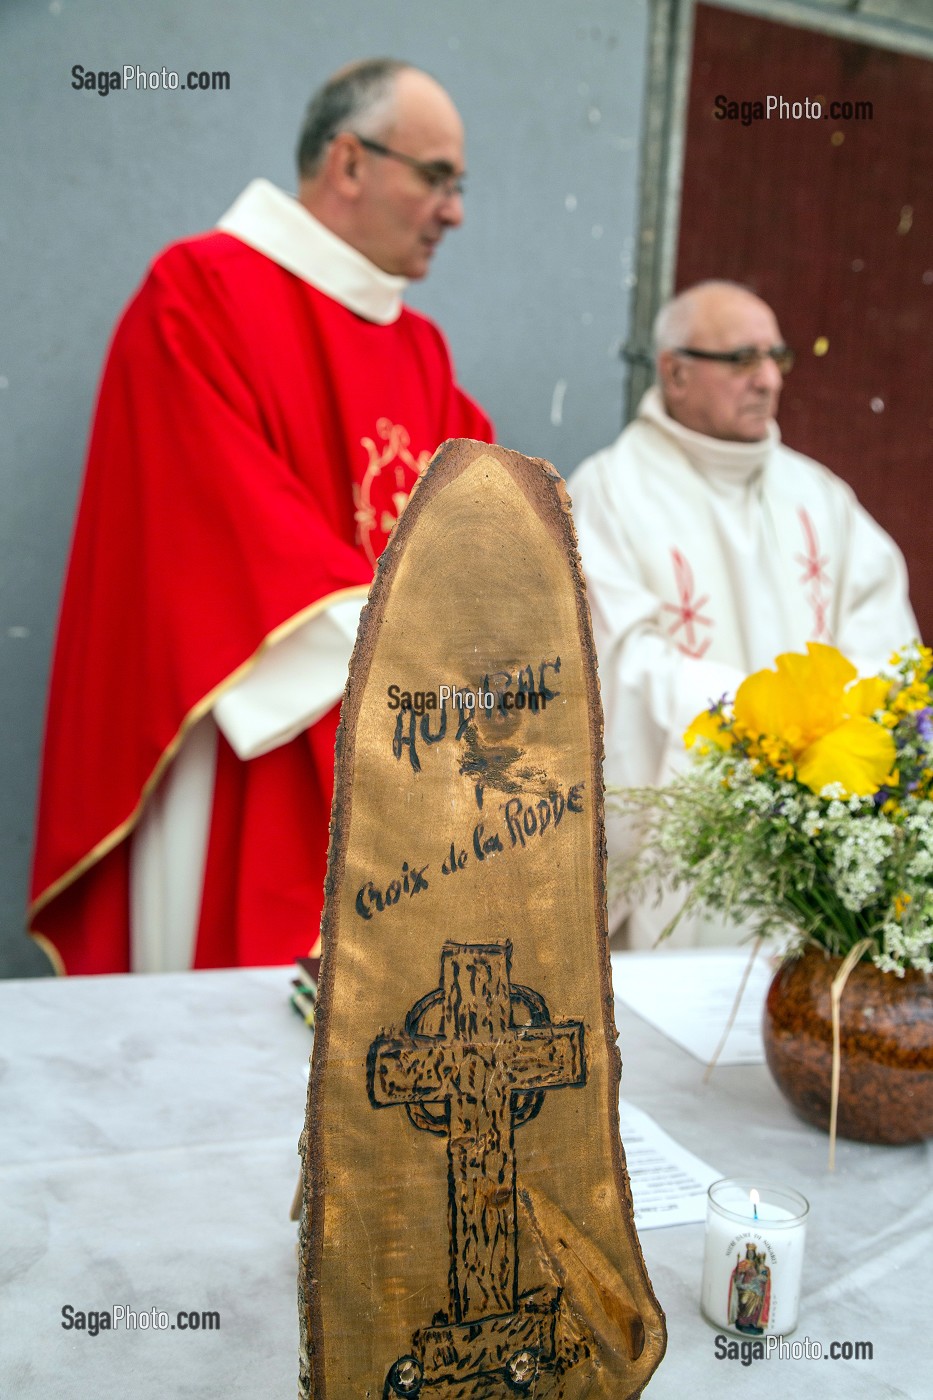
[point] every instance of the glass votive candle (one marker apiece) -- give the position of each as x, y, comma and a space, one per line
754, 1257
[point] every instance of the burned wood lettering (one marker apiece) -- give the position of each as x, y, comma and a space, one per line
466, 1226
522, 821
534, 818
413, 725
411, 881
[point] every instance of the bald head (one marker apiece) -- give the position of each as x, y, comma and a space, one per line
380, 159
422, 112
359, 96
718, 399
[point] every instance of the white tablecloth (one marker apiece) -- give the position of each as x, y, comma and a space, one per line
148, 1140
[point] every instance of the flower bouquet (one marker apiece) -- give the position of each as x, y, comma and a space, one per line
808, 813
808, 810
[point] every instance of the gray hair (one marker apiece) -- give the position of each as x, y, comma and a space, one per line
358, 98
673, 325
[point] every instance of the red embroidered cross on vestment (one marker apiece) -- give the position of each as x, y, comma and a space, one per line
814, 578
687, 614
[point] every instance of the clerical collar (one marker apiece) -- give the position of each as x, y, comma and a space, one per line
275, 224
735, 461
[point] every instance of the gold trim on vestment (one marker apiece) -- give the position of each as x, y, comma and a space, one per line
51, 952
196, 713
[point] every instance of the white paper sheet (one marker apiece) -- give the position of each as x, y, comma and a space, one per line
688, 996
669, 1184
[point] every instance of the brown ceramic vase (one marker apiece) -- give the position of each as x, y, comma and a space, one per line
886, 1023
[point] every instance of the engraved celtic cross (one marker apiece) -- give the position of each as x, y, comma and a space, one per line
465, 1068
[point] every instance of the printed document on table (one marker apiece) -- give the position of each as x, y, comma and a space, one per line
669, 1184
688, 995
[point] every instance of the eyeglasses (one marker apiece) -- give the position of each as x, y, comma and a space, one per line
438, 175
746, 358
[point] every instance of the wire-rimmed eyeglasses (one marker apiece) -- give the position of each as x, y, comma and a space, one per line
438, 175
745, 358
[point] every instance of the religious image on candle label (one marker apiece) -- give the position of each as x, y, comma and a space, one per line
749, 1302
473, 1064
751, 1274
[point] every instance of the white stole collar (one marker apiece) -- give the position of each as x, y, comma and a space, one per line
716, 457
274, 223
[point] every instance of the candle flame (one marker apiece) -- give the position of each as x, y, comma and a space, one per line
754, 1197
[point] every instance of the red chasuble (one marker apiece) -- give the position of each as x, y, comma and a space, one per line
254, 443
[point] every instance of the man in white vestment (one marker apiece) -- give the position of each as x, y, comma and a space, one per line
709, 547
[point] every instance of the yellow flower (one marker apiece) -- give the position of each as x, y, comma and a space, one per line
915, 696
800, 701
711, 727
808, 712
901, 902
857, 753
867, 696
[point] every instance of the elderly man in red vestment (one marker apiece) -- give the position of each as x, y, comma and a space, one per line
267, 406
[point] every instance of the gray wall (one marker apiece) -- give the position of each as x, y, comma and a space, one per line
532, 292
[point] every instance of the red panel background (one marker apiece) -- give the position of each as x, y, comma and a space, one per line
837, 238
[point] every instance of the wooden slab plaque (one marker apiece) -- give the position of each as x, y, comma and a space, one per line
466, 1226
